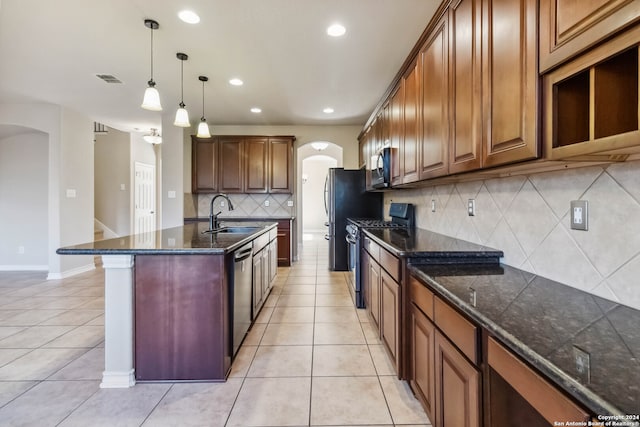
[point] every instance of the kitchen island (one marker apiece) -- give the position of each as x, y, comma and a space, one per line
169, 302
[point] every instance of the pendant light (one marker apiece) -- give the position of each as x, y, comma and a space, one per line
151, 99
203, 128
182, 116
154, 137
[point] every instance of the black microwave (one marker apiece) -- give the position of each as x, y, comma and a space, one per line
381, 168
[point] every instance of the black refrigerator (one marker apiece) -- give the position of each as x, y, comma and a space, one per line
345, 197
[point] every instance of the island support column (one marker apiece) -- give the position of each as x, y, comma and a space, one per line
118, 322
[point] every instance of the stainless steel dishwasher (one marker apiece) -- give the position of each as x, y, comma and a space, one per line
241, 292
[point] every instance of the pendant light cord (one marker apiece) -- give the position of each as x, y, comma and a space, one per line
182, 83
202, 100
151, 82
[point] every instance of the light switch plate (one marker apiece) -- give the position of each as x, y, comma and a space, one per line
71, 193
290, 203
579, 215
171, 194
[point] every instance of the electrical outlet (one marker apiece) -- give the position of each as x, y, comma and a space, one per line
472, 297
579, 215
290, 203
583, 364
222, 203
433, 205
122, 187
171, 194
471, 207
266, 203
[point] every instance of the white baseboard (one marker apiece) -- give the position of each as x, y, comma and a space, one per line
72, 272
24, 267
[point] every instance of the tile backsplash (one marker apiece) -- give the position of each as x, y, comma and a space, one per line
245, 205
528, 218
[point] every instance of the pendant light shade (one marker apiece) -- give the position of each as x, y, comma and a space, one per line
203, 127
151, 99
154, 137
182, 115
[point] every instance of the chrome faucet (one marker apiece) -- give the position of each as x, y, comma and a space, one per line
213, 218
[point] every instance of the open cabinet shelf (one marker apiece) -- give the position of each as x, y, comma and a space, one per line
592, 103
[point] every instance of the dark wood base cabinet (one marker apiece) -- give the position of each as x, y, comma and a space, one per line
181, 312
284, 243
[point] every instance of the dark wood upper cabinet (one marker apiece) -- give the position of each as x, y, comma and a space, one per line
204, 177
466, 95
411, 149
569, 27
280, 173
434, 129
396, 135
510, 82
231, 165
255, 154
243, 164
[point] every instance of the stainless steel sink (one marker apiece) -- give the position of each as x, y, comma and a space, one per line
236, 230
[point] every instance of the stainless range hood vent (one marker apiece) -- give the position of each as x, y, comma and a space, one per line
108, 78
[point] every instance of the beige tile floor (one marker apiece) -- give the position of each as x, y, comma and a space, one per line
310, 359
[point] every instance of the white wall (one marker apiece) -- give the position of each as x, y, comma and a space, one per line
24, 202
112, 169
314, 169
70, 144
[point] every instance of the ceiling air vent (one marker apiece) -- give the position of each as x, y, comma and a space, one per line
108, 78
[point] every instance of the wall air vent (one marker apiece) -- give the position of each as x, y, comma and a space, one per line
108, 78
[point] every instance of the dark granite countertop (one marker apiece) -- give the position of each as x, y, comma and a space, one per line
184, 240
223, 218
421, 243
543, 321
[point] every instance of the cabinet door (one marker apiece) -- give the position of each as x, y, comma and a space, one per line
257, 284
465, 68
264, 271
457, 393
434, 115
204, 177
411, 153
273, 261
284, 243
232, 165
390, 315
510, 82
568, 27
396, 135
280, 165
374, 286
422, 362
255, 154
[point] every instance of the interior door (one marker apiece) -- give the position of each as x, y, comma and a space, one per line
144, 198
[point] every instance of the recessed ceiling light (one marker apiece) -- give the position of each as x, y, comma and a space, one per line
328, 110
189, 16
236, 82
256, 110
336, 30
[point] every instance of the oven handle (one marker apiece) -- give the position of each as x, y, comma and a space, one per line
350, 240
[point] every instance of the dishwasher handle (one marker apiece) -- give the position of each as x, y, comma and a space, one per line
242, 254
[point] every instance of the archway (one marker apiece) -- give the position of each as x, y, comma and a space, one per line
313, 165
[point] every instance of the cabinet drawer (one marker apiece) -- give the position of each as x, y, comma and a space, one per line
540, 394
421, 297
390, 263
372, 248
458, 329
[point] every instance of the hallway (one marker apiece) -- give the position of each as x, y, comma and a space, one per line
311, 358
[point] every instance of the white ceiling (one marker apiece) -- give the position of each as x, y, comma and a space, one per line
51, 51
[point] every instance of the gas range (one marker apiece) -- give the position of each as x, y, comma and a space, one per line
402, 217
374, 223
